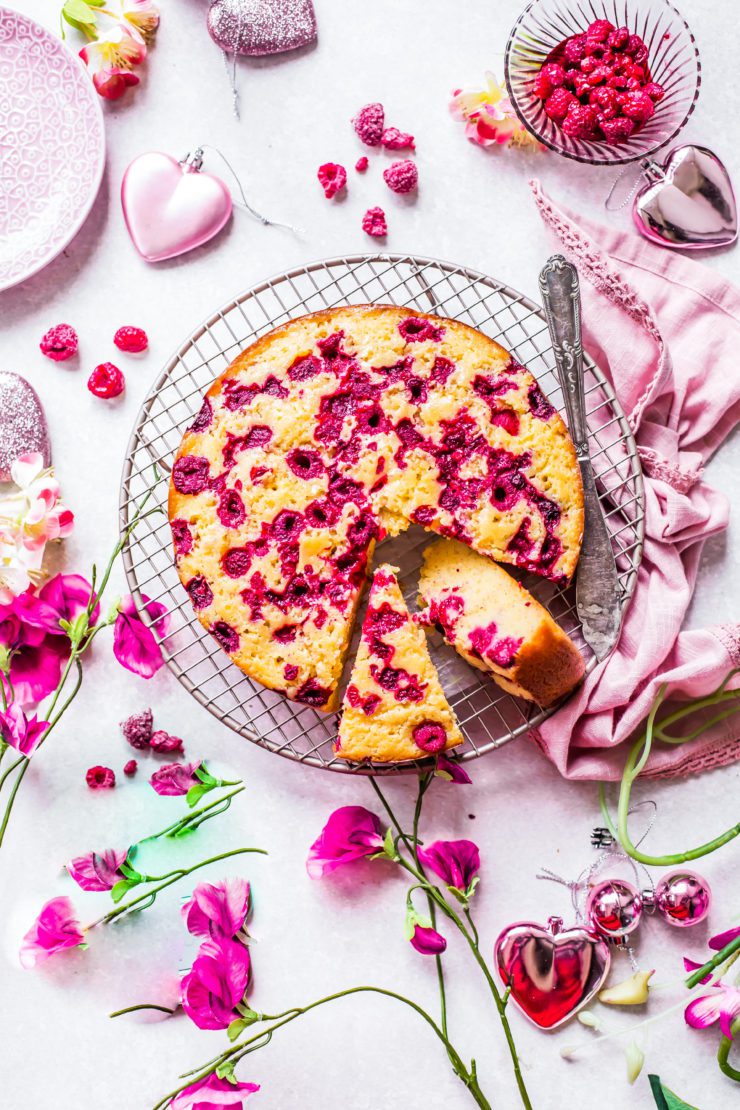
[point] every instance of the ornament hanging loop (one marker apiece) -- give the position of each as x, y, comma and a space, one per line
610, 204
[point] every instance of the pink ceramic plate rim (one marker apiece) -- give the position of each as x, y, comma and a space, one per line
85, 103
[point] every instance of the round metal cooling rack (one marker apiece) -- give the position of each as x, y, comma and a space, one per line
488, 716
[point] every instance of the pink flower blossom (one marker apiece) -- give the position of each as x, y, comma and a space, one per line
55, 929
216, 983
350, 833
64, 598
98, 870
140, 17
21, 732
213, 1093
110, 59
451, 770
427, 941
175, 779
30, 516
722, 1004
457, 862
217, 909
489, 116
35, 655
134, 645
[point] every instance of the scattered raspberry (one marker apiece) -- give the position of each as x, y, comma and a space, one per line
130, 767
580, 122
361, 164
374, 223
401, 177
333, 177
100, 778
163, 743
137, 729
557, 105
618, 129
638, 107
369, 123
130, 339
106, 381
393, 139
60, 343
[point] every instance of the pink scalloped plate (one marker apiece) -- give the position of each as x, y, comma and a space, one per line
52, 147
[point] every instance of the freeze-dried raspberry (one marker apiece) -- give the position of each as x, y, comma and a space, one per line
580, 122
599, 30
369, 123
361, 164
60, 343
106, 381
616, 130
393, 139
374, 223
100, 778
130, 767
163, 743
130, 339
574, 49
137, 729
401, 177
557, 105
655, 91
333, 177
637, 106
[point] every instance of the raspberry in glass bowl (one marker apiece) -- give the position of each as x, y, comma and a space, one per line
602, 88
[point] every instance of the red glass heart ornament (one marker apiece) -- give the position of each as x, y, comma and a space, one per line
552, 972
688, 201
258, 27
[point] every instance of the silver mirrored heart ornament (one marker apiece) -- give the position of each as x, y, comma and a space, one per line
687, 202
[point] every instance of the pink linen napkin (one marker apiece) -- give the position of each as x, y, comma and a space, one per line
666, 332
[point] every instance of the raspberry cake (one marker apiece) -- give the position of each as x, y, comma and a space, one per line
337, 429
394, 708
496, 625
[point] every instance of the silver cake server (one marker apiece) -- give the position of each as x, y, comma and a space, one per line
598, 594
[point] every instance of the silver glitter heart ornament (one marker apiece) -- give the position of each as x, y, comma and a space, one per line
258, 27
688, 201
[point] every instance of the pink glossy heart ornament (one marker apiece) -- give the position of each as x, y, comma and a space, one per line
552, 972
171, 207
688, 201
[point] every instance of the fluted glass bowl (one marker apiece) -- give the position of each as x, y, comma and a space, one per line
673, 60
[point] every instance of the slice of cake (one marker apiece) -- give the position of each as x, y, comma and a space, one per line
394, 708
494, 623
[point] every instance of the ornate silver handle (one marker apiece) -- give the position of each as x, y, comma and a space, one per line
561, 297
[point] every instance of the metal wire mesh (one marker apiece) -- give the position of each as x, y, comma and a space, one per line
488, 716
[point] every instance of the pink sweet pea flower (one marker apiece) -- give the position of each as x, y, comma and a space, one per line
55, 929
722, 1004
427, 941
350, 833
110, 59
35, 656
175, 779
21, 732
64, 598
217, 909
455, 861
216, 983
213, 1093
721, 940
98, 870
134, 645
451, 770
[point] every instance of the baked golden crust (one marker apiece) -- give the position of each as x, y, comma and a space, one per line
334, 430
496, 625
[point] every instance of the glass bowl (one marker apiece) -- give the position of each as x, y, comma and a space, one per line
673, 59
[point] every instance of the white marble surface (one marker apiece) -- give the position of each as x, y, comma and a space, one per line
58, 1048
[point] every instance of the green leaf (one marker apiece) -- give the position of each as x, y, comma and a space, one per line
132, 875
389, 845
471, 889
202, 774
665, 1098
225, 1070
184, 830
459, 894
235, 1029
121, 889
79, 15
195, 793
249, 1015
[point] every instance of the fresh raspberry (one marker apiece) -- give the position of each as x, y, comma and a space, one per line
655, 91
374, 223
401, 177
137, 729
100, 778
605, 101
361, 164
580, 122
541, 86
60, 343
130, 339
369, 123
641, 55
599, 30
594, 48
393, 139
619, 38
599, 75
333, 177
106, 381
557, 105
574, 50
589, 64
633, 85
616, 130
581, 85
165, 744
637, 106
633, 44
130, 767
618, 81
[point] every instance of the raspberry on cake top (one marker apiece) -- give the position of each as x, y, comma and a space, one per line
394, 708
339, 428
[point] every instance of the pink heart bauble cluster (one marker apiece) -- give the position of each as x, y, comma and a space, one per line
258, 27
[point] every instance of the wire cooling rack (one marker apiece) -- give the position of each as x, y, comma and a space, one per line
488, 716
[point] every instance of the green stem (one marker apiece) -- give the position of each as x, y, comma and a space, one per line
142, 1006
723, 1053
720, 957
196, 818
424, 783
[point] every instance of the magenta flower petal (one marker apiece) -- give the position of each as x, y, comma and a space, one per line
721, 940
98, 870
213, 1093
134, 645
428, 941
216, 983
455, 861
55, 929
63, 597
175, 779
217, 909
350, 833
21, 732
703, 1012
452, 770
35, 670
691, 965
730, 1010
